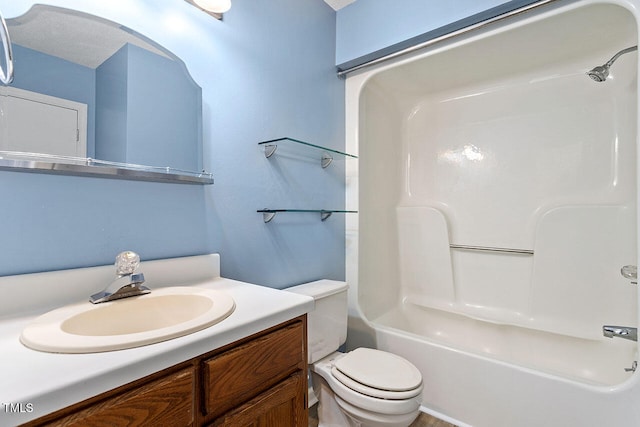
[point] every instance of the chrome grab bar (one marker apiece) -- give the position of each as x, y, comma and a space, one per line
6, 77
492, 249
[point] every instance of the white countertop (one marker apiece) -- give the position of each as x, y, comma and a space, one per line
37, 383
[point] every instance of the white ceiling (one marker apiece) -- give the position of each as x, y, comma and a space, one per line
338, 4
70, 35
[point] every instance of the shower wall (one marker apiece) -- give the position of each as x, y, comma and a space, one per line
501, 144
497, 191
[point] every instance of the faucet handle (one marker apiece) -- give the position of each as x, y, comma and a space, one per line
630, 272
126, 263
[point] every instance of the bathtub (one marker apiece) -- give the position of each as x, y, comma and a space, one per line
497, 194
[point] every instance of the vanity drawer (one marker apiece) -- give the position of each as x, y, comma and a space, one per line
240, 374
167, 402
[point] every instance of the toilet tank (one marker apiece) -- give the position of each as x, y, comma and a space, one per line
327, 323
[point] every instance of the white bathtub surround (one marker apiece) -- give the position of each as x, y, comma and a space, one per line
497, 191
50, 381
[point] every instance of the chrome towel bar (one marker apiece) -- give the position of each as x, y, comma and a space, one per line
492, 249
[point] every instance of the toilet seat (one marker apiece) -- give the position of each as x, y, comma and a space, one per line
324, 367
378, 374
373, 392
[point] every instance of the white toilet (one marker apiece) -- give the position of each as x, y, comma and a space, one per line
364, 387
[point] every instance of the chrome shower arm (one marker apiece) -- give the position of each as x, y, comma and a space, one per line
619, 54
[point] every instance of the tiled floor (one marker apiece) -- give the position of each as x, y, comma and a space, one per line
424, 420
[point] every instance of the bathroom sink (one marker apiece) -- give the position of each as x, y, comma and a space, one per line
163, 314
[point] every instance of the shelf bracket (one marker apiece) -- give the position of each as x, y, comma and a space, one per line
268, 216
326, 160
269, 150
327, 155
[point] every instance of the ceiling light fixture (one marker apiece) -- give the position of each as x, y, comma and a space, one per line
213, 7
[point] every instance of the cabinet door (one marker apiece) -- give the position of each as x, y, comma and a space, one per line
281, 406
242, 373
165, 402
37, 123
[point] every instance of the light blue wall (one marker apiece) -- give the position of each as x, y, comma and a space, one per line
147, 109
368, 26
164, 109
278, 79
266, 71
111, 108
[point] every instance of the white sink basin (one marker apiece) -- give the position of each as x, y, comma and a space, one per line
163, 314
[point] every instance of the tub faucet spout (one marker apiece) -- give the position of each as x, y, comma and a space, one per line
621, 332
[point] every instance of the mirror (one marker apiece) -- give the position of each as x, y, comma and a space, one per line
90, 97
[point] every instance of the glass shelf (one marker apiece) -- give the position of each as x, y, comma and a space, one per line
326, 155
269, 214
85, 166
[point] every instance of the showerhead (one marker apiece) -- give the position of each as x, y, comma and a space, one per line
601, 72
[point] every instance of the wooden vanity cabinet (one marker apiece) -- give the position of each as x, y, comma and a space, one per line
268, 373
165, 401
258, 381
281, 405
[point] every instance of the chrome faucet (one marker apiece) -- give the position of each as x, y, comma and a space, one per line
630, 272
621, 332
127, 282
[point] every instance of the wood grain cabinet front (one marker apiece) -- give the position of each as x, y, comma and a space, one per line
281, 406
167, 401
258, 381
242, 373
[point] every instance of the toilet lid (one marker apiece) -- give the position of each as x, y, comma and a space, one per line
374, 392
380, 370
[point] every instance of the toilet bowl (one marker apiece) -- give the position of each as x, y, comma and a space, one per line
364, 387
388, 395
